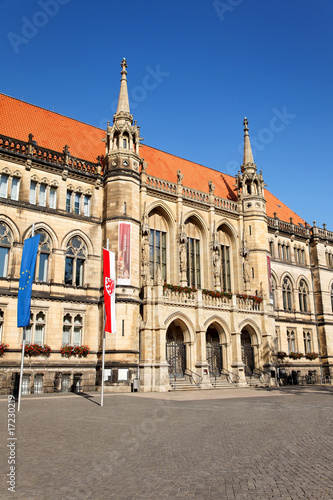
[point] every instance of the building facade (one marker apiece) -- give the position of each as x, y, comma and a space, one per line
218, 282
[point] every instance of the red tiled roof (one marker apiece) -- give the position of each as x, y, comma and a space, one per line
53, 131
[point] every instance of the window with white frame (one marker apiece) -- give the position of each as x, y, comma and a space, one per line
5, 245
303, 296
287, 294
78, 202
2, 316
35, 332
4, 178
33, 192
42, 195
72, 329
291, 339
43, 256
75, 260
307, 342
53, 197
14, 189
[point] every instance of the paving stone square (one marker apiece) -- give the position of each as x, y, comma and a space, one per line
226, 444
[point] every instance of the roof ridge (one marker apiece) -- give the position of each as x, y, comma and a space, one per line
54, 112
280, 201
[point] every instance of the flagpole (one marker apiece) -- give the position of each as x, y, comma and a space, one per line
103, 351
23, 350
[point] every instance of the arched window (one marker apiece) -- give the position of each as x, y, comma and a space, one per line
157, 244
224, 262
287, 294
303, 296
274, 292
44, 250
193, 254
5, 244
307, 342
75, 258
35, 331
291, 341
72, 329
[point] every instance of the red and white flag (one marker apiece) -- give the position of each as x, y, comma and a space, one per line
109, 272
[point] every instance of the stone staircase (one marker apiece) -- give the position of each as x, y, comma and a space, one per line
182, 384
255, 382
220, 383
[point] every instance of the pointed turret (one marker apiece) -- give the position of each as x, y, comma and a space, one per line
248, 182
123, 102
123, 135
248, 162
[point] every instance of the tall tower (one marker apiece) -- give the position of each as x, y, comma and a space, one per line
121, 226
252, 204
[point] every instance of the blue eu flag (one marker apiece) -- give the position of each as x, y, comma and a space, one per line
26, 278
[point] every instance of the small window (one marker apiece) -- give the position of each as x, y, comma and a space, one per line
72, 329
86, 205
5, 245
271, 248
44, 250
291, 341
53, 197
68, 200
332, 297
14, 192
4, 185
307, 342
77, 199
124, 143
33, 192
34, 333
42, 195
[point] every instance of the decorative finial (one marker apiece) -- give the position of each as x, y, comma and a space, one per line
123, 65
245, 123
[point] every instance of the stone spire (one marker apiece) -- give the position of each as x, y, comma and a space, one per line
248, 162
123, 103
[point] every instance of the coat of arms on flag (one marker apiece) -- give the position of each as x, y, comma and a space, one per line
109, 271
109, 285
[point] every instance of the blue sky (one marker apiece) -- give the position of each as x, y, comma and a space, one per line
195, 69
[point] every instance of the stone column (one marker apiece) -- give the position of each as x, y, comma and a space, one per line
237, 365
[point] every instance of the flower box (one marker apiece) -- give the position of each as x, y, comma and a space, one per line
282, 355
311, 355
178, 288
37, 350
81, 351
295, 355
3, 349
215, 294
245, 296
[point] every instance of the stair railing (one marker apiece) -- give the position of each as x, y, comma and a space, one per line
190, 375
230, 375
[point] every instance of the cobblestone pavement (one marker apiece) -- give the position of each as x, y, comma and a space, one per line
246, 444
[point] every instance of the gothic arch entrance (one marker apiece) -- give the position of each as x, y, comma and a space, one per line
214, 351
247, 353
175, 351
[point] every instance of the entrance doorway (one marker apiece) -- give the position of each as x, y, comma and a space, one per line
247, 353
175, 351
214, 351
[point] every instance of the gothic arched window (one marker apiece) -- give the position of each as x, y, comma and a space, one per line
291, 341
274, 288
287, 294
303, 296
157, 244
44, 250
193, 254
75, 258
5, 245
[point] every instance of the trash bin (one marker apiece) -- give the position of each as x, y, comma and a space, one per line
136, 385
